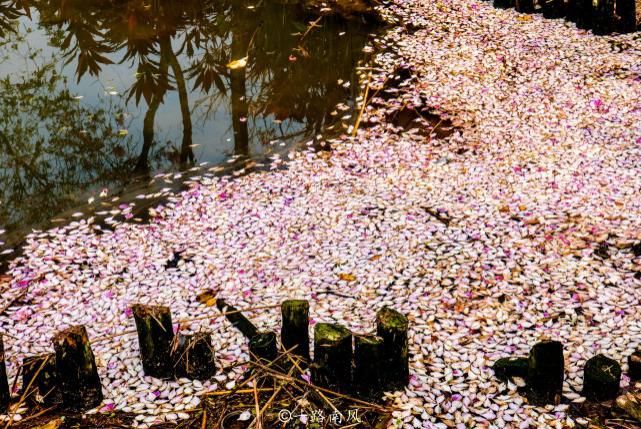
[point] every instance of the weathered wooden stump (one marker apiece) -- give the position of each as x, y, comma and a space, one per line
368, 363
295, 326
155, 336
604, 17
506, 368
545, 373
524, 6
39, 372
584, 14
332, 357
237, 319
627, 10
503, 4
5, 395
553, 9
194, 356
263, 348
571, 10
634, 366
601, 378
76, 370
392, 327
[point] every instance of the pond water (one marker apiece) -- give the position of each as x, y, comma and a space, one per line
101, 94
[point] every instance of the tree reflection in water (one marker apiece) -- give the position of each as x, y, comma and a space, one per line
56, 148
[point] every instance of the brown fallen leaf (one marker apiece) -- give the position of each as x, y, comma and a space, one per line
207, 297
347, 277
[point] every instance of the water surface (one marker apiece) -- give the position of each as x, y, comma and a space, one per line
101, 94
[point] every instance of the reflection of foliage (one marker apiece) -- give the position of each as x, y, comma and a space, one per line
51, 146
10, 11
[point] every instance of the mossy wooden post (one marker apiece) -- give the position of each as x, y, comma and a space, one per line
39, 372
76, 370
553, 9
237, 319
5, 395
263, 348
392, 327
524, 6
601, 378
295, 326
604, 18
194, 356
584, 14
570, 10
368, 363
634, 366
155, 336
332, 367
503, 4
545, 373
627, 11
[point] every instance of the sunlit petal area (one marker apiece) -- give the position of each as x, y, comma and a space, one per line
369, 214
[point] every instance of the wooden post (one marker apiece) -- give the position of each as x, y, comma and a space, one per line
368, 367
155, 336
392, 327
263, 348
237, 319
76, 370
506, 368
332, 357
553, 9
571, 10
634, 366
627, 10
194, 356
524, 6
584, 14
604, 17
545, 373
295, 326
601, 378
503, 4
40, 372
5, 395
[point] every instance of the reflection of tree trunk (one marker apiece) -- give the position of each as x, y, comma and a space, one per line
237, 81
186, 150
142, 166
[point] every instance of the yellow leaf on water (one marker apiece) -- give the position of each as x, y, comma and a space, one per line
237, 64
347, 277
525, 18
123, 133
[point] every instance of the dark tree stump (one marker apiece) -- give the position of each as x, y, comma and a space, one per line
553, 9
368, 371
571, 10
604, 21
76, 370
506, 368
503, 4
295, 326
332, 357
524, 6
40, 372
237, 319
601, 378
392, 327
634, 366
627, 10
5, 395
194, 357
155, 336
263, 348
584, 14
545, 373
